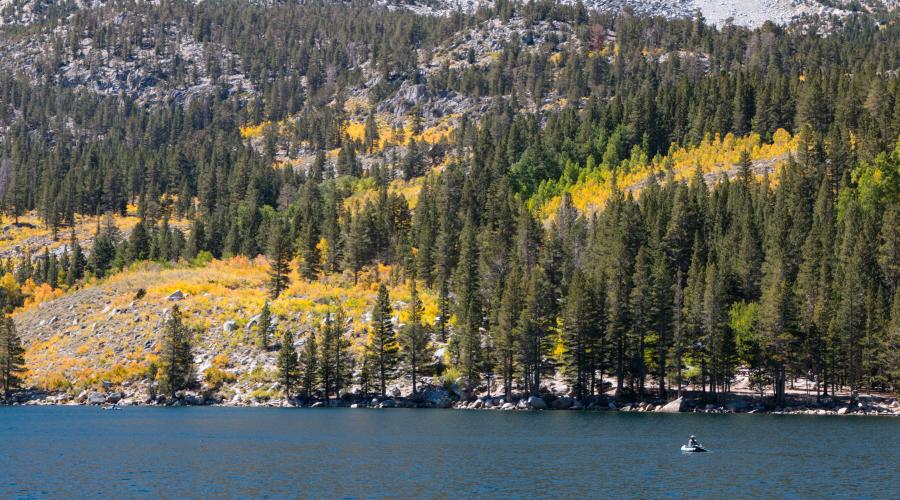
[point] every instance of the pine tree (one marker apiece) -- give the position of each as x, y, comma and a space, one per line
341, 357
444, 305
264, 327
347, 164
139, 243
42, 274
53, 272
679, 338
814, 282
641, 312
775, 320
104, 251
370, 134
414, 337
812, 107
661, 317
579, 334
358, 244
367, 364
506, 339
288, 364
308, 368
749, 255
196, 241
678, 235
384, 339
332, 234
692, 312
534, 330
280, 255
309, 230
177, 358
745, 168
77, 262
12, 357
618, 293
332, 330
468, 304
715, 326
848, 323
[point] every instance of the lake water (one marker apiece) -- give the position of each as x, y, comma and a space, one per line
326, 453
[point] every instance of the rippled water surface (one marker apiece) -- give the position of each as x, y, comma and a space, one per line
325, 453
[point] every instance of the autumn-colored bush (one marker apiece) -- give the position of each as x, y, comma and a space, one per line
216, 377
54, 382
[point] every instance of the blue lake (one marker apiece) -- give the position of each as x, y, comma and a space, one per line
326, 453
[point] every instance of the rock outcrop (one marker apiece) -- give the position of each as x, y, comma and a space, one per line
675, 406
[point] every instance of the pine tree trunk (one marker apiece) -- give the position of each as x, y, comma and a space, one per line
662, 367
779, 385
620, 365
414, 374
381, 371
641, 367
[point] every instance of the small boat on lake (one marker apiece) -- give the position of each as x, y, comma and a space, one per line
692, 446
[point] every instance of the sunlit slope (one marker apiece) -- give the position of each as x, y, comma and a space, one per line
110, 331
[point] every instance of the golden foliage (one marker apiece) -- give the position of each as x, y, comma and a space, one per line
35, 294
251, 131
716, 155
440, 131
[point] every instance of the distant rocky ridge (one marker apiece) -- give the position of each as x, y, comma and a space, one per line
744, 13
144, 71
719, 12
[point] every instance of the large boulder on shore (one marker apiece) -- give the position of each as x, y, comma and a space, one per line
537, 403
95, 398
675, 406
563, 403
438, 398
459, 391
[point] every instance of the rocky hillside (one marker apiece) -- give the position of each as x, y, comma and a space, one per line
105, 335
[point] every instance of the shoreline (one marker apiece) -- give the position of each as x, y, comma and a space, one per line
867, 406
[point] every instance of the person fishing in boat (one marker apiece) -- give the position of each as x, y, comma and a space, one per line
692, 443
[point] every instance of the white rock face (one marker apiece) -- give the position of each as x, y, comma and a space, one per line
673, 406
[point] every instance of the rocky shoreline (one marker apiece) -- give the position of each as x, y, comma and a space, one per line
444, 399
